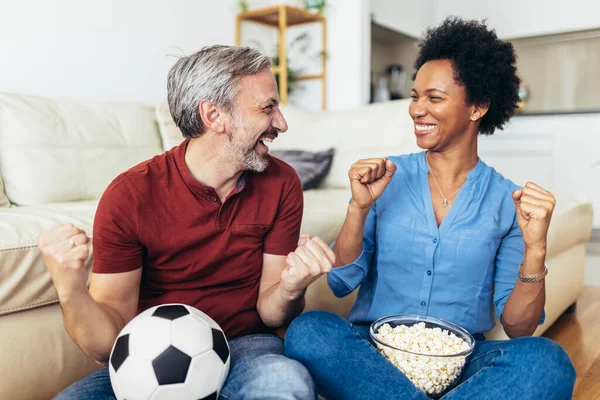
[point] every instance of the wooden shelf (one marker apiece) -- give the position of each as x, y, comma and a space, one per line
270, 16
282, 17
309, 77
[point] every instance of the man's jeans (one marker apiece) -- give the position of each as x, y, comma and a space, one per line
259, 370
345, 365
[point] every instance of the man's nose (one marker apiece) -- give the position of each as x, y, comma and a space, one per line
280, 123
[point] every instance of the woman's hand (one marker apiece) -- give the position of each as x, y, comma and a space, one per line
368, 180
534, 207
311, 259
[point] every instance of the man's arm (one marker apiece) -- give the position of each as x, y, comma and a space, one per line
285, 278
93, 318
276, 309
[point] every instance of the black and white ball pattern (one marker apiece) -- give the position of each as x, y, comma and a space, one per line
171, 351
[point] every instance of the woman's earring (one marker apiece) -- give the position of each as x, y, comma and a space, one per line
473, 118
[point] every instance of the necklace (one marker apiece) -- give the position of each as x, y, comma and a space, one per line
445, 201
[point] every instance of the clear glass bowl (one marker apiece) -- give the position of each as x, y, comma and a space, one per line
435, 375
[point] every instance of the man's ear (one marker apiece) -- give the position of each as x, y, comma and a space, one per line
211, 116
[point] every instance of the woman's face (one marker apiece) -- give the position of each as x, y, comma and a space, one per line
439, 109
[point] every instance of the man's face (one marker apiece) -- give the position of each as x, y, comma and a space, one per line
256, 120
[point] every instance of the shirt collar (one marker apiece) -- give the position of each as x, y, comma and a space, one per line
200, 189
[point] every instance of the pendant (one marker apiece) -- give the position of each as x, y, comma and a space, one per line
445, 203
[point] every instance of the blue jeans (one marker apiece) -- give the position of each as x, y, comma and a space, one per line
345, 365
259, 370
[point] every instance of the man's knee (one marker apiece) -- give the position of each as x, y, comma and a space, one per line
285, 368
277, 373
94, 386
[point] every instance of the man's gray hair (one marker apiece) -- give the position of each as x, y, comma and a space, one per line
210, 74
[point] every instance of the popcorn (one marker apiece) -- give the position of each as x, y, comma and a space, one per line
432, 375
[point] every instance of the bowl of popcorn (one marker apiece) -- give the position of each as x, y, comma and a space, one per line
431, 352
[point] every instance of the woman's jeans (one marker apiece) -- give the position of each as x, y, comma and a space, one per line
259, 370
345, 365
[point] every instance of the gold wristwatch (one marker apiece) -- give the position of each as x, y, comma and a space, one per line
533, 278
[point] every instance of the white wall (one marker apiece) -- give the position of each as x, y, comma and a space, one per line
407, 16
559, 152
522, 18
105, 50
116, 50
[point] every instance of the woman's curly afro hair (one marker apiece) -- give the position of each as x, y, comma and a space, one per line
483, 64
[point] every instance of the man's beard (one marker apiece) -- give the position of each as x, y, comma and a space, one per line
246, 154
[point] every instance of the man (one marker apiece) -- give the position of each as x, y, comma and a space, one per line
213, 223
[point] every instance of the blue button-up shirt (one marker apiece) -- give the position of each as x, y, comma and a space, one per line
456, 271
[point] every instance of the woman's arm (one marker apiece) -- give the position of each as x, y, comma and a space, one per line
368, 180
349, 243
524, 307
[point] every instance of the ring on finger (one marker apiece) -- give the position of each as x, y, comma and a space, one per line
72, 243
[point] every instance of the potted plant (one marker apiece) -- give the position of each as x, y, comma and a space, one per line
317, 5
243, 5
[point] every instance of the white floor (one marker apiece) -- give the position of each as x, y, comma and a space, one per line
592, 269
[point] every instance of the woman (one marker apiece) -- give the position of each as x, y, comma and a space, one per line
436, 233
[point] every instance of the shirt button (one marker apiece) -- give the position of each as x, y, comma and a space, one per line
434, 240
423, 303
213, 198
428, 272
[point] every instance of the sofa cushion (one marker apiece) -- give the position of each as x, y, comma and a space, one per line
571, 224
24, 281
53, 151
377, 130
169, 132
3, 199
324, 212
311, 167
304, 131
39, 357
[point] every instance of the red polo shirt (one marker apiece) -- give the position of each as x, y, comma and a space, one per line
194, 249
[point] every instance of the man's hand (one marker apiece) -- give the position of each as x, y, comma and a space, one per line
311, 259
65, 251
534, 207
368, 180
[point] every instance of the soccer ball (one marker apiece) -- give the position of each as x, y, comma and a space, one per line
171, 351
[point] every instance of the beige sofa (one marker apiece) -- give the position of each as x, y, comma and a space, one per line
56, 158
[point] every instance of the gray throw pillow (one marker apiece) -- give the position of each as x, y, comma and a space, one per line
312, 167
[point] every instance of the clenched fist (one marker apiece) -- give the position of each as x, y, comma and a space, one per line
369, 178
534, 207
65, 251
306, 264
